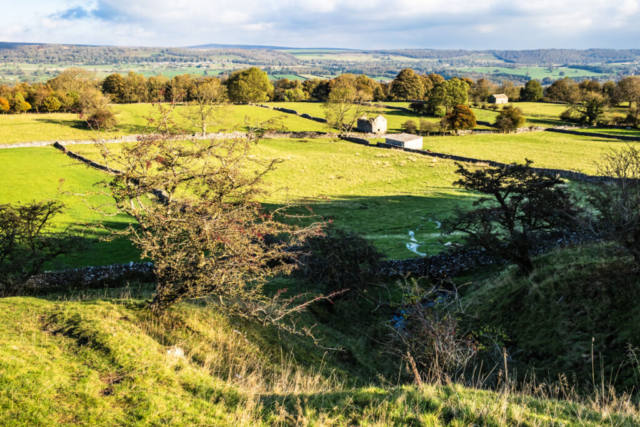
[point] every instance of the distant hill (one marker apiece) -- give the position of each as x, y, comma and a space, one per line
248, 46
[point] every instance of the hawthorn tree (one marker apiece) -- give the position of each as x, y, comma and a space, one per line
591, 107
197, 216
344, 106
208, 105
518, 210
95, 110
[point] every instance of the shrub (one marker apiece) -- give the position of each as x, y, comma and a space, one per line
426, 333
102, 120
510, 119
618, 203
570, 115
440, 111
410, 127
339, 259
428, 127
460, 117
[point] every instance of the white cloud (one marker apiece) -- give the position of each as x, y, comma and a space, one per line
470, 24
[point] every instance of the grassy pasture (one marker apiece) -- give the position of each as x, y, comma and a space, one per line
16, 128
33, 174
546, 149
541, 113
381, 194
395, 118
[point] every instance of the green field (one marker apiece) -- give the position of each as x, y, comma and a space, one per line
33, 174
546, 149
16, 128
541, 113
381, 194
395, 118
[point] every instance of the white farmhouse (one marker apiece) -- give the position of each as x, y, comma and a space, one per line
405, 140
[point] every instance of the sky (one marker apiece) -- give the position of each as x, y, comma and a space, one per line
361, 24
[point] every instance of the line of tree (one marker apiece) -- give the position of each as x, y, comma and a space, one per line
431, 94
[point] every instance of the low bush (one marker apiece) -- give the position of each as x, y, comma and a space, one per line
339, 259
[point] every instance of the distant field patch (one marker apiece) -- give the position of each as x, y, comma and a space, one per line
533, 72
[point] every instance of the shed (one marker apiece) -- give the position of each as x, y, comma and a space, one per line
377, 125
499, 98
405, 140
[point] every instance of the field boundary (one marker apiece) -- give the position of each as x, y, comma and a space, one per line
595, 134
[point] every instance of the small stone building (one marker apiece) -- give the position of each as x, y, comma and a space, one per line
405, 140
499, 98
377, 125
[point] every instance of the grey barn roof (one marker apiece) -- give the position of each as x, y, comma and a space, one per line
500, 95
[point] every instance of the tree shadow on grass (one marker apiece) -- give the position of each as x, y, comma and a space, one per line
78, 124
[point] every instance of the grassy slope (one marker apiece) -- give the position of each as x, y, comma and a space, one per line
573, 297
107, 362
50, 127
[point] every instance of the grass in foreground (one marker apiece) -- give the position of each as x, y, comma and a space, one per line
576, 315
107, 361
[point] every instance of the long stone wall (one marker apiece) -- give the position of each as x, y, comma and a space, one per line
88, 277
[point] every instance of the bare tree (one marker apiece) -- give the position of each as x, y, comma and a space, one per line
208, 104
344, 107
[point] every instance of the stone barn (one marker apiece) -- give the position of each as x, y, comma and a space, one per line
499, 98
377, 125
405, 140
